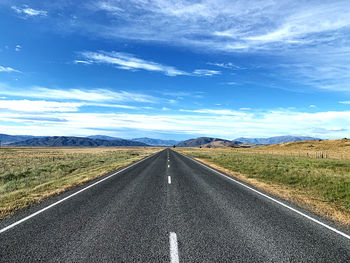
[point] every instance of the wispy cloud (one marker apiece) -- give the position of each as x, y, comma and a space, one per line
228, 65
38, 106
299, 32
225, 112
224, 123
90, 95
303, 32
28, 12
109, 7
8, 69
127, 61
206, 72
18, 48
227, 25
231, 83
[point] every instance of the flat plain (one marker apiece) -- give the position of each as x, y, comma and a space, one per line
30, 175
291, 172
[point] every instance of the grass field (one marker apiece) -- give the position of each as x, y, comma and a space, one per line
320, 185
29, 175
332, 149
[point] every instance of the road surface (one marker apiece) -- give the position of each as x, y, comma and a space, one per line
168, 208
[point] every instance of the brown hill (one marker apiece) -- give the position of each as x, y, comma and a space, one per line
200, 141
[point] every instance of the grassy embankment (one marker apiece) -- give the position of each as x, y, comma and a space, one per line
334, 149
319, 185
29, 175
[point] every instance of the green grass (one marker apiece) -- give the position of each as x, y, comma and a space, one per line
29, 175
327, 180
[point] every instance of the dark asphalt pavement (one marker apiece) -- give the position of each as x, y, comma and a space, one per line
129, 217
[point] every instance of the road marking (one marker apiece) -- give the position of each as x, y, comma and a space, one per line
273, 199
169, 180
70, 196
168, 165
174, 251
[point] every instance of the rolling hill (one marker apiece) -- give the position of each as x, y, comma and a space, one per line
103, 137
156, 142
276, 139
201, 141
8, 139
63, 141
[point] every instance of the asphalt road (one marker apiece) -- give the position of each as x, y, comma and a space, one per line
168, 211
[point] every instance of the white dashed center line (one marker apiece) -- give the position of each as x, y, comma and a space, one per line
169, 180
174, 253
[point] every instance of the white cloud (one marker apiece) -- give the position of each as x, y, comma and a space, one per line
53, 106
130, 62
344, 102
8, 69
302, 26
92, 95
216, 112
111, 106
38, 106
106, 6
231, 83
226, 25
18, 48
27, 11
224, 123
206, 72
228, 65
300, 32
82, 62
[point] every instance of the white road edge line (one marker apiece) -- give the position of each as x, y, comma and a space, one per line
70, 196
169, 180
274, 200
174, 251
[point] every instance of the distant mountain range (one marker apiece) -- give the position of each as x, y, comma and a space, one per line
210, 142
93, 140
7, 139
103, 140
276, 139
61, 141
156, 142
104, 137
201, 141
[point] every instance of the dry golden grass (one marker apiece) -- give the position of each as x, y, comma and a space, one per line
335, 149
29, 175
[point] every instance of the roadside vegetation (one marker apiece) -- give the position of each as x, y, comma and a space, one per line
29, 175
330, 149
319, 185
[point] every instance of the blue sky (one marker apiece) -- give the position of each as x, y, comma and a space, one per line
175, 69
